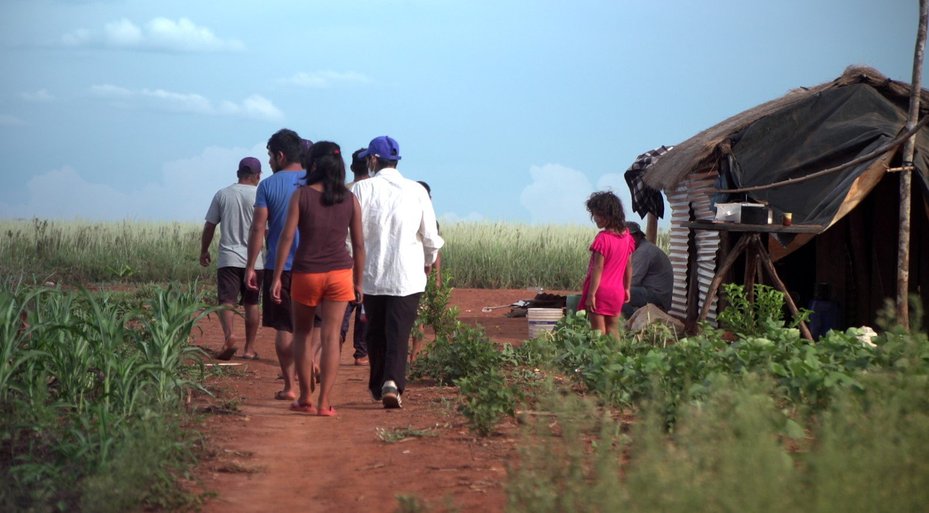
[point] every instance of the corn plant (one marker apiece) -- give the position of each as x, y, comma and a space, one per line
15, 331
82, 373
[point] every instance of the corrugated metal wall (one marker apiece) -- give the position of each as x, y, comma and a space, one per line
697, 192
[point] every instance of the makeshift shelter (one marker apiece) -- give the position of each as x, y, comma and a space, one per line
852, 213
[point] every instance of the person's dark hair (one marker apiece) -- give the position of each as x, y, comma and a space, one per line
359, 167
328, 168
287, 142
305, 146
425, 186
608, 206
382, 163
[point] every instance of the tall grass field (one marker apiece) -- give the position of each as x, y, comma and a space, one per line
477, 255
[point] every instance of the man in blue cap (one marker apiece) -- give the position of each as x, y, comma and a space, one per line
401, 243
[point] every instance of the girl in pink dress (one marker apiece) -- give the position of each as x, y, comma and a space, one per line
609, 274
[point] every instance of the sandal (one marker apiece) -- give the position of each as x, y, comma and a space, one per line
327, 413
303, 408
226, 353
252, 357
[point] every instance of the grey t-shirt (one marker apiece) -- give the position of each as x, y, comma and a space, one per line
651, 270
232, 208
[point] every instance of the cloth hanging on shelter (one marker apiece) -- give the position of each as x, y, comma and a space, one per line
645, 200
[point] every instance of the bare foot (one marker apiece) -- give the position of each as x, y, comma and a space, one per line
285, 395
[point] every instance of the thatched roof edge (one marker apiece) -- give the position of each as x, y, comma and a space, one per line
698, 153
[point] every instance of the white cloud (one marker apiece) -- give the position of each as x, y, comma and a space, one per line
123, 33
253, 107
78, 37
40, 96
452, 217
182, 192
326, 78
557, 194
8, 120
159, 34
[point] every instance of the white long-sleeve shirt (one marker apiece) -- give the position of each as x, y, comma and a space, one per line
400, 232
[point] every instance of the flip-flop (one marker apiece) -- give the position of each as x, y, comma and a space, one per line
303, 408
281, 396
327, 413
227, 353
247, 357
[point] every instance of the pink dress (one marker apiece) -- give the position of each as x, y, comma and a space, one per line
616, 250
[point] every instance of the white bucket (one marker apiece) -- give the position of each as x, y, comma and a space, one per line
543, 319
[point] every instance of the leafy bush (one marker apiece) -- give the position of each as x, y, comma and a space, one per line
758, 317
805, 375
485, 399
434, 310
735, 450
466, 352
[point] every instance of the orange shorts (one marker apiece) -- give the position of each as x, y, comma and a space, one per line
311, 289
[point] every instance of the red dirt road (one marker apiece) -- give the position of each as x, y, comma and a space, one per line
267, 458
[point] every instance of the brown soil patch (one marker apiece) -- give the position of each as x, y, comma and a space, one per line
266, 458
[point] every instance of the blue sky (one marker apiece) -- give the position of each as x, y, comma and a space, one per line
512, 110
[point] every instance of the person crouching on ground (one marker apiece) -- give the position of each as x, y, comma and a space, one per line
609, 274
652, 275
323, 275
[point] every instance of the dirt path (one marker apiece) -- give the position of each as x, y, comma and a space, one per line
270, 459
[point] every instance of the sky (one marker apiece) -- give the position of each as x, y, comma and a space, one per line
513, 111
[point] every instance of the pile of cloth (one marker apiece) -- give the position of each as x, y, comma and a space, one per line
541, 300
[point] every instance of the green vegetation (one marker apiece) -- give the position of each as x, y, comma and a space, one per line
82, 252
507, 255
92, 386
646, 422
729, 452
395, 435
478, 255
92, 390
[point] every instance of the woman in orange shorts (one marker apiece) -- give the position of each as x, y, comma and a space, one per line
324, 276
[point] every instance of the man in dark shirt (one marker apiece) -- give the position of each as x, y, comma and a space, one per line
652, 276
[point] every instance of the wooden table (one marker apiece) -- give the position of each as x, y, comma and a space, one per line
755, 252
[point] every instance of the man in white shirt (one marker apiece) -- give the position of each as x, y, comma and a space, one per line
232, 206
401, 243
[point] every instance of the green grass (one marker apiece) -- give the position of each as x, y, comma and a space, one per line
509, 255
478, 255
83, 252
400, 434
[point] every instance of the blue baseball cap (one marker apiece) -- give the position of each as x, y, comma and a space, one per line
382, 147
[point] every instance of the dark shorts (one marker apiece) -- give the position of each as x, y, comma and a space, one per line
231, 289
276, 315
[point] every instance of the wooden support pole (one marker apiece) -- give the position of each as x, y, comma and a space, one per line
779, 285
718, 277
651, 228
906, 177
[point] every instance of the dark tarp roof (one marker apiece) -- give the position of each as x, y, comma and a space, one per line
804, 132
